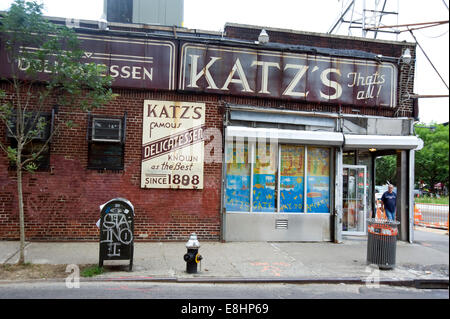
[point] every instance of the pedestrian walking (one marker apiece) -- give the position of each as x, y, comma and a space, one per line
389, 202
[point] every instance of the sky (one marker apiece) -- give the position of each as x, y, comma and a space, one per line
314, 16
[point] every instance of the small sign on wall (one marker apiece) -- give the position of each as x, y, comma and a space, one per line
172, 144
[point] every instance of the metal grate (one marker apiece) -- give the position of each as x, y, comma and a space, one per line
281, 224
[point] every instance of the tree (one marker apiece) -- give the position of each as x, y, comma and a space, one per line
386, 169
46, 67
431, 165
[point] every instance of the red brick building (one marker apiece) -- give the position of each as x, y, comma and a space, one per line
244, 86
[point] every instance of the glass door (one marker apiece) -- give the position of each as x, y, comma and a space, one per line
354, 200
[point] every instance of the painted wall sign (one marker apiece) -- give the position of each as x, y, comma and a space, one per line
312, 78
132, 62
172, 144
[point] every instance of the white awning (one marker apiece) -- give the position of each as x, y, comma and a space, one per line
286, 136
325, 138
382, 141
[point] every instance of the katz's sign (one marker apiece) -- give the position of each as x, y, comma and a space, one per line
311, 78
172, 145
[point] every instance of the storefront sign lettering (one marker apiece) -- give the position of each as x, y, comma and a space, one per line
131, 62
153, 63
312, 78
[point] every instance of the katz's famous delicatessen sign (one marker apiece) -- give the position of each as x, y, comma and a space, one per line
172, 145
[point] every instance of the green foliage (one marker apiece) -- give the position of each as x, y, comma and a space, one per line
431, 200
77, 84
49, 57
386, 169
431, 162
12, 154
92, 271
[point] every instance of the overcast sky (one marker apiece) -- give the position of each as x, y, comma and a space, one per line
314, 16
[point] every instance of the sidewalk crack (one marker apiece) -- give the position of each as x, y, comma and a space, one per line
16, 252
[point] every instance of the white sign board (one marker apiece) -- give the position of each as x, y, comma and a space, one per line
172, 144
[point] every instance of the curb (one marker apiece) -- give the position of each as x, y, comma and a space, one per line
431, 283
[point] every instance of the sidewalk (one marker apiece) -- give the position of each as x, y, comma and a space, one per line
248, 261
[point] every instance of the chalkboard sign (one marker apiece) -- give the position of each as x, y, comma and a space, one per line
116, 231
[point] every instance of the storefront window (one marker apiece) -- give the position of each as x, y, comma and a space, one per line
349, 157
265, 178
273, 166
292, 172
318, 187
237, 195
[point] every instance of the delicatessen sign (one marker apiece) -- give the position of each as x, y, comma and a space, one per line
131, 62
172, 144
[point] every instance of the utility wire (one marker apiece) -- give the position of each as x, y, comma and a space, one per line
445, 4
436, 36
428, 58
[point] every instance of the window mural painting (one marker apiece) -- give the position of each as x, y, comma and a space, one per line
318, 187
237, 194
265, 178
292, 178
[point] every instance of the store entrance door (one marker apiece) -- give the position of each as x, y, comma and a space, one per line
354, 200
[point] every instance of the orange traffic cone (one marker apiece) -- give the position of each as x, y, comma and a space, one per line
380, 213
417, 215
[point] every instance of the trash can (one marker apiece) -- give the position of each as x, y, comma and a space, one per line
382, 242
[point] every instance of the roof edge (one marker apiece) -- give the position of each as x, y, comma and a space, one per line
249, 26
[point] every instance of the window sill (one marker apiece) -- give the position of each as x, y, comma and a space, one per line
106, 170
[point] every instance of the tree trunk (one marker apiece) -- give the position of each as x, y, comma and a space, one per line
20, 200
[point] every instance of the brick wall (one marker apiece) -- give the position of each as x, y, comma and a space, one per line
63, 203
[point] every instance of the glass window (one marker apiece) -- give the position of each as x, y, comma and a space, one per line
262, 167
349, 157
292, 172
106, 143
265, 178
105, 155
237, 194
318, 186
107, 130
365, 158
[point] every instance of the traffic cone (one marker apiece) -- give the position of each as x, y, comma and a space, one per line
380, 213
417, 215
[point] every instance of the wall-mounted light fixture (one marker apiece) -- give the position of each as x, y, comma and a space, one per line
263, 37
406, 56
102, 23
372, 149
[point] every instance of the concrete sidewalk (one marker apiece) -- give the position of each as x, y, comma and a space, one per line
247, 261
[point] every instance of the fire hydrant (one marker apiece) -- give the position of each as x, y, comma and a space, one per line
192, 257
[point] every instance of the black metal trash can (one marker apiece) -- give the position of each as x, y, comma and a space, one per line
382, 242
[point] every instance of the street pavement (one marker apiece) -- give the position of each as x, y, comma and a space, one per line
426, 261
222, 293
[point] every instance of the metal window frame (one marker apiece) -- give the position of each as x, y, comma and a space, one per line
357, 233
94, 139
121, 141
252, 160
43, 134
